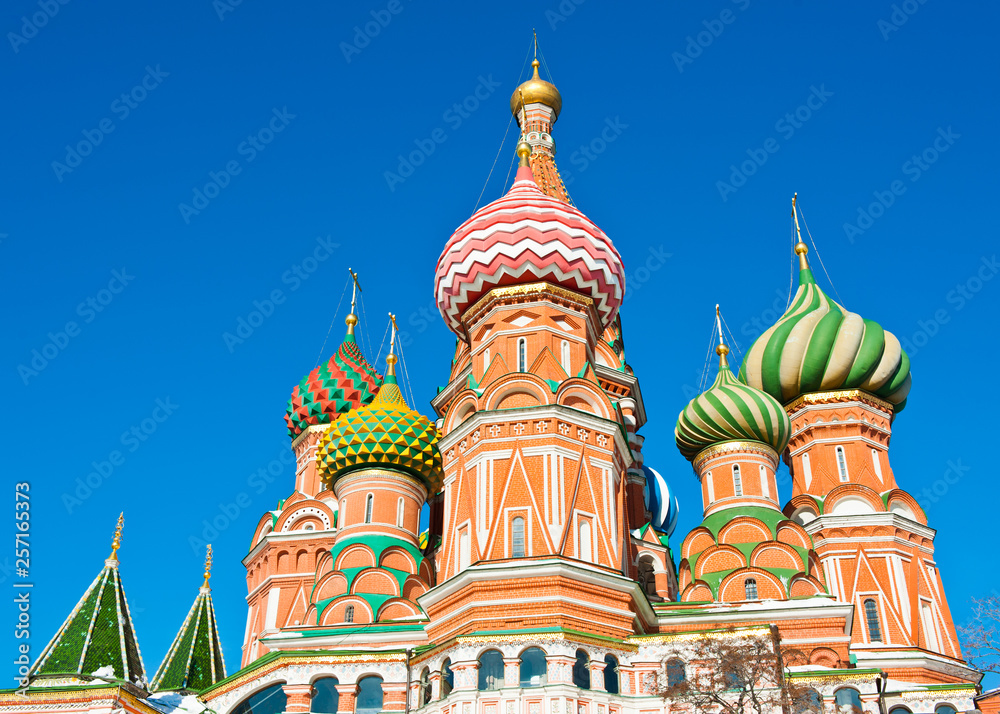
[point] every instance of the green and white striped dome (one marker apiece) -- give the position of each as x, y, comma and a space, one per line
730, 411
818, 346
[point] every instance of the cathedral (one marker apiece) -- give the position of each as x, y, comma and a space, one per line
549, 578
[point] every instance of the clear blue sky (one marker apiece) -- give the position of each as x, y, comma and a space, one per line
167, 283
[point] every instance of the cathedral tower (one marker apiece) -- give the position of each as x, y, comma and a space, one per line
842, 380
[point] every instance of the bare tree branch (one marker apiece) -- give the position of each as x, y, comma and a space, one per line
733, 672
981, 637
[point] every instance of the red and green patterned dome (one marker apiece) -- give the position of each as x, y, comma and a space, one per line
345, 382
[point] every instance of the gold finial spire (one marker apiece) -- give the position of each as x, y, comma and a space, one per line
535, 91
390, 359
352, 318
208, 566
721, 350
116, 542
800, 248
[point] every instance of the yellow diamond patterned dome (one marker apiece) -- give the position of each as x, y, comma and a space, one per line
385, 433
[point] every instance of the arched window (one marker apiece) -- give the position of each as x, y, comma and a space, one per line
586, 541
490, 671
271, 700
349, 613
369, 503
425, 686
464, 549
611, 674
944, 709
447, 678
369, 696
848, 701
564, 353
676, 672
842, 463
517, 537
871, 617
737, 480
732, 680
750, 585
486, 359
522, 355
807, 701
581, 669
325, 698
764, 487
899, 710
647, 574
807, 473
342, 513
534, 669
877, 464
399, 513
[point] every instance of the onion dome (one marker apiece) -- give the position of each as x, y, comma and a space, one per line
536, 91
383, 434
819, 346
730, 411
524, 237
345, 382
660, 502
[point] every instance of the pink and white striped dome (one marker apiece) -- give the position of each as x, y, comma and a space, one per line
524, 237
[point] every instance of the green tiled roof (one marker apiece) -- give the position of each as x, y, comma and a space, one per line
194, 660
98, 633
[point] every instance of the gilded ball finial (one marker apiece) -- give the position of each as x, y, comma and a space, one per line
801, 248
722, 350
351, 320
523, 151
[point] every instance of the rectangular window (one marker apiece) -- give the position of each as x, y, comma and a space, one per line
842, 463
764, 487
517, 537
464, 549
877, 464
737, 480
807, 473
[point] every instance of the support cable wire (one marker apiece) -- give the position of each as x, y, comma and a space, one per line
503, 141
791, 262
406, 376
707, 369
330, 328
734, 345
820, 257
364, 319
379, 356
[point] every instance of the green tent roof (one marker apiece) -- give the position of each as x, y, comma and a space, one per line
194, 660
98, 633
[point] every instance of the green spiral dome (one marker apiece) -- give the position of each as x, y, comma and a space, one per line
818, 346
730, 411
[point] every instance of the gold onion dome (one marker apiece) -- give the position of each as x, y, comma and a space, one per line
383, 434
536, 91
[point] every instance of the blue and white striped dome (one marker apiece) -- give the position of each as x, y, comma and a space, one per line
661, 504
